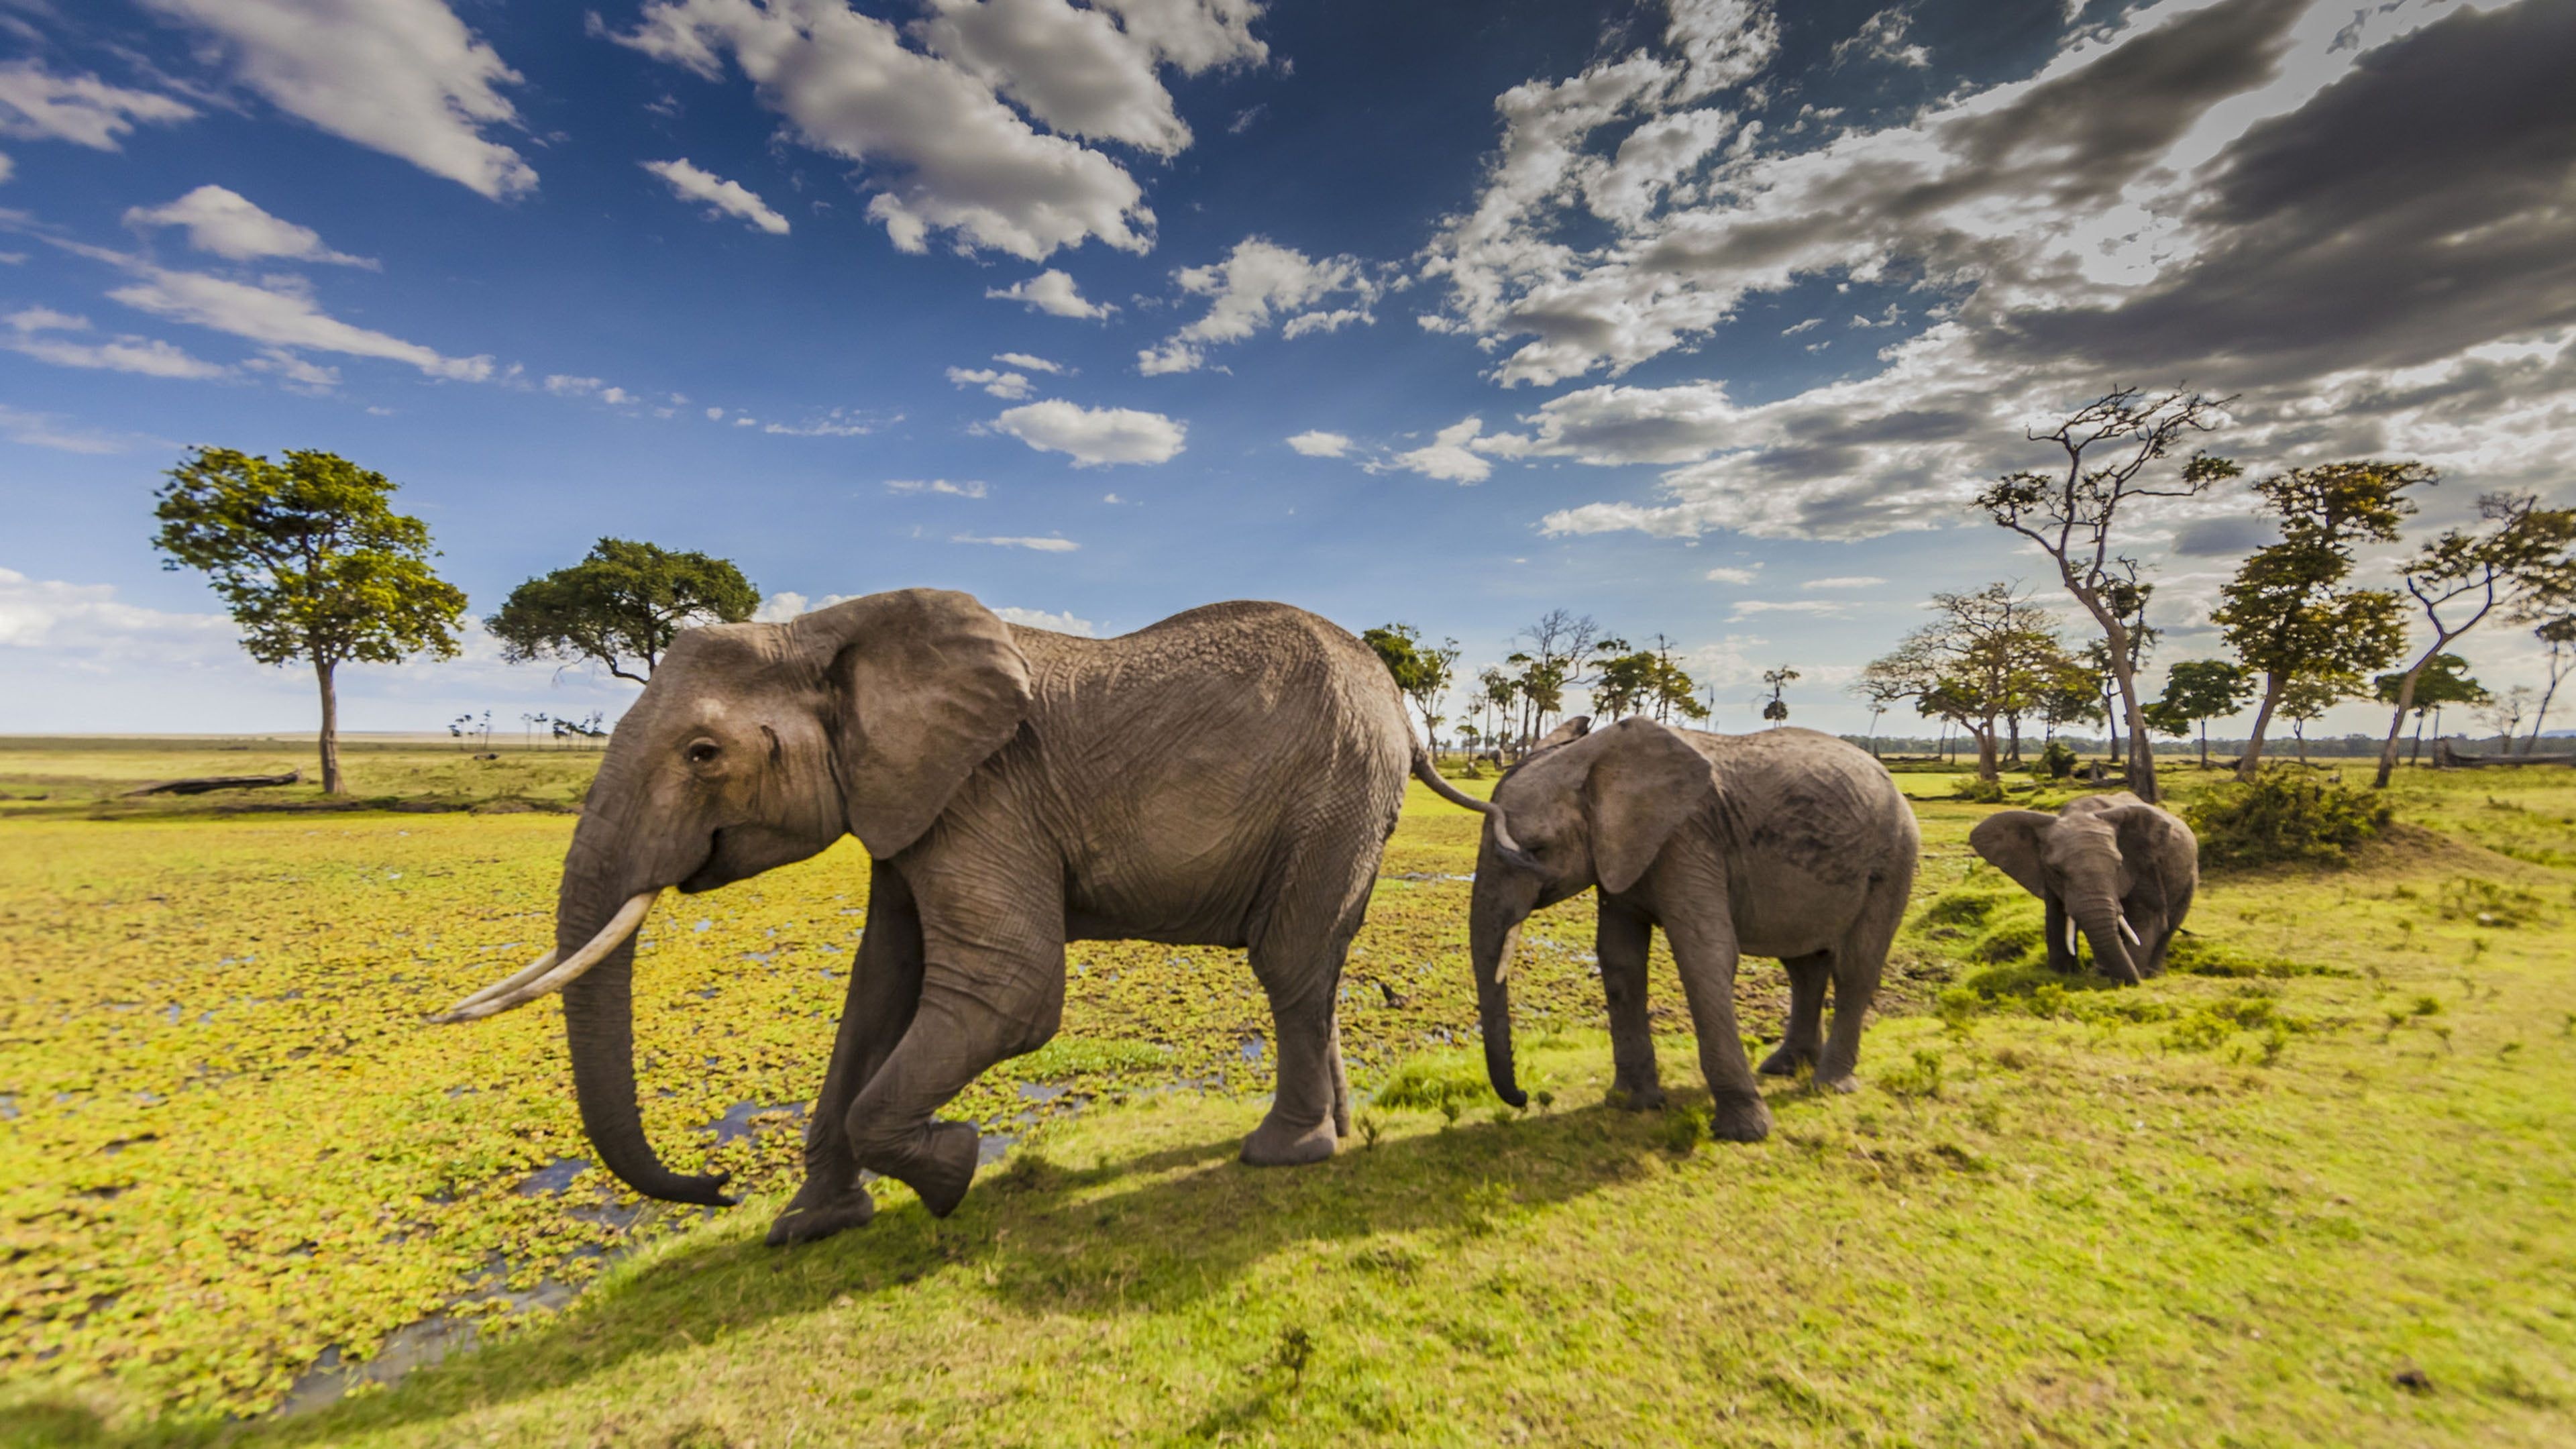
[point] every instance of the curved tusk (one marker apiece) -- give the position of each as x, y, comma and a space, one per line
539, 980
2130, 931
2070, 938
533, 970
1503, 961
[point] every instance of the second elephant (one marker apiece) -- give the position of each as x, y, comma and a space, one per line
2117, 868
1786, 843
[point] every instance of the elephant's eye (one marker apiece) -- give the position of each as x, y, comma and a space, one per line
701, 751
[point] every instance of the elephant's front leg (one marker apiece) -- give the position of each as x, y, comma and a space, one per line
1703, 938
2061, 949
885, 986
1620, 938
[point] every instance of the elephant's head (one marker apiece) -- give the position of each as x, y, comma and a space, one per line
2089, 860
756, 745
1588, 807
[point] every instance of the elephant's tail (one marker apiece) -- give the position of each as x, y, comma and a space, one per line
1429, 774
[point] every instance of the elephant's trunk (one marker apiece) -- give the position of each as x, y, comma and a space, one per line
1494, 933
2102, 926
599, 1028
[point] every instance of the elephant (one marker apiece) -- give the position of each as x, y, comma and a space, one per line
1785, 843
2119, 868
1226, 777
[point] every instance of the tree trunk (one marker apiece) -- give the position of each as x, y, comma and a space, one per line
2397, 724
2142, 747
1986, 770
2415, 752
2012, 722
2273, 684
322, 669
2542, 716
2204, 744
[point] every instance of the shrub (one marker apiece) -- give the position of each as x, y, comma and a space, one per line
1433, 1081
1979, 792
2281, 818
2056, 762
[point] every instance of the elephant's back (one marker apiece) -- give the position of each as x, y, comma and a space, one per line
1235, 662
1809, 798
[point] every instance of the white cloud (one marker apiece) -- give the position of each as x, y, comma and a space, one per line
36, 104
1822, 608
722, 197
1845, 581
715, 415
1041, 545
947, 155
28, 335
968, 488
1809, 325
1008, 386
1193, 35
1316, 443
837, 423
1074, 70
1053, 293
1027, 362
1447, 456
567, 385
1095, 436
1258, 282
1733, 575
44, 430
404, 77
1882, 37
1064, 623
281, 314
231, 226
49, 614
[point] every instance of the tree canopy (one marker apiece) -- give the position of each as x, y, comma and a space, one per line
620, 607
312, 562
1422, 671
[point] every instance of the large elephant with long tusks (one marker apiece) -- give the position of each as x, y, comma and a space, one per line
1227, 777
2117, 868
1786, 843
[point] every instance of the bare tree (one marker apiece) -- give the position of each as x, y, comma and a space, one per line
2073, 515
2559, 633
2517, 562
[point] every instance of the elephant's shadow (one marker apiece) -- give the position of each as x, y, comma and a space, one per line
1156, 1229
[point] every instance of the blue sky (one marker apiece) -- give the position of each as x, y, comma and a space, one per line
1701, 317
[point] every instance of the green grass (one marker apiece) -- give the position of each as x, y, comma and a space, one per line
2233, 1206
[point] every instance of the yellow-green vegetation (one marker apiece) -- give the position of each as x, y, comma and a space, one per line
91, 778
2311, 1187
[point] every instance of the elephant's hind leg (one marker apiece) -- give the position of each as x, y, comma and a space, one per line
1297, 955
1858, 961
1802, 1042
885, 986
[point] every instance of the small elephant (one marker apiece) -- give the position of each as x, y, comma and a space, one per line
2117, 867
1227, 777
1786, 843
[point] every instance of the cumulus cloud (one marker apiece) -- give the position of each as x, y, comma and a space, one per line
32, 333
2363, 223
231, 226
566, 385
1448, 455
50, 614
404, 77
1316, 443
1028, 362
1095, 437
968, 488
1053, 293
1062, 623
1732, 575
722, 198
1882, 38
36, 104
1260, 282
947, 153
1041, 545
1008, 386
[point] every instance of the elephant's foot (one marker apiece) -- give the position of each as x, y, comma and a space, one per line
818, 1213
1739, 1118
1277, 1143
945, 1167
1786, 1060
1648, 1098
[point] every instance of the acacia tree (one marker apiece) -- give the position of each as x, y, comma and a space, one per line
1985, 657
2307, 697
2196, 692
1777, 709
1422, 671
2445, 681
314, 564
2073, 515
2289, 611
2519, 559
621, 605
1500, 690
2559, 633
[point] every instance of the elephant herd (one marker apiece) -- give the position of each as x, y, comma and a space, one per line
1227, 777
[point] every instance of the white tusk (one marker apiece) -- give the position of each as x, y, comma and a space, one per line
534, 970
2070, 937
2130, 931
494, 1001
1511, 949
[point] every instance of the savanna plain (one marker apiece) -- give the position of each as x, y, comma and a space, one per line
2312, 1187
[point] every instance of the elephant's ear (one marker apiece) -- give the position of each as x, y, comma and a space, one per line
1564, 734
1645, 781
2146, 835
2010, 840
925, 684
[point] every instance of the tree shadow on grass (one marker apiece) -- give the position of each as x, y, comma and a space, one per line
1155, 1230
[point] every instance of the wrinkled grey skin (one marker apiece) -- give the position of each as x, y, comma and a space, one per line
2099, 859
1227, 777
1786, 843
